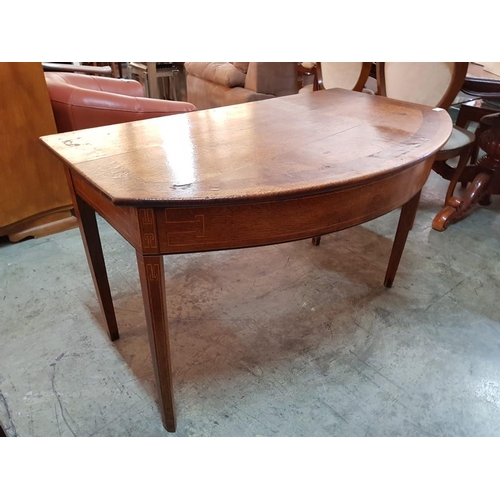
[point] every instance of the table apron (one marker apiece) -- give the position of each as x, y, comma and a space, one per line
182, 230
160, 230
122, 218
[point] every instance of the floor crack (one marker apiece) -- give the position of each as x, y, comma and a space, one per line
11, 429
58, 397
433, 303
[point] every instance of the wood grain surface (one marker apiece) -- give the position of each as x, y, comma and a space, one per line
269, 150
34, 195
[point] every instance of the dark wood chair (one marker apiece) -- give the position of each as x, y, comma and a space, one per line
484, 86
435, 84
305, 70
486, 181
344, 75
482, 176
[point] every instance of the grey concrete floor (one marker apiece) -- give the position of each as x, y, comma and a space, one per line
285, 340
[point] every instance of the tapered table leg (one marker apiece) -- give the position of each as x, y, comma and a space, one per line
406, 219
92, 243
152, 277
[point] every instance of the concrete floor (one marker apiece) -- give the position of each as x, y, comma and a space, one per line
286, 340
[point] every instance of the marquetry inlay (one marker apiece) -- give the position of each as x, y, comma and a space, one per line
148, 228
195, 225
153, 271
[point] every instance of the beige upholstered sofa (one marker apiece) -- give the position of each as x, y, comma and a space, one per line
215, 84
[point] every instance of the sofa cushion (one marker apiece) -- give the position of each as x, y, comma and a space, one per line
242, 66
223, 73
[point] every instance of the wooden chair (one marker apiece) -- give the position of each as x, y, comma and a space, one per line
344, 75
482, 172
305, 70
435, 84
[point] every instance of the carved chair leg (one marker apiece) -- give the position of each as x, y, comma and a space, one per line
457, 209
485, 183
485, 200
462, 163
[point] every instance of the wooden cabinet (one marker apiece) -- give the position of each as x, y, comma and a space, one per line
34, 196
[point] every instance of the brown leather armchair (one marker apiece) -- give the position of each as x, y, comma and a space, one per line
85, 101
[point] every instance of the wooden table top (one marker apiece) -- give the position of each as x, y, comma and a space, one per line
284, 147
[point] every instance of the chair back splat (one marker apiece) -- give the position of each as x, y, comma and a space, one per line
434, 84
344, 75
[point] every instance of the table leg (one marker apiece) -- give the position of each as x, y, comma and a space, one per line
152, 275
408, 213
92, 244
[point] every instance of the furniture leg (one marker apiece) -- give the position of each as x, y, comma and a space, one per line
458, 208
152, 81
408, 212
92, 244
152, 275
316, 240
484, 184
462, 163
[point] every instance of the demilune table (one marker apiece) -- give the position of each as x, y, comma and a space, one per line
252, 174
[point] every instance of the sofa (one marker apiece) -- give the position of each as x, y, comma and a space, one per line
216, 84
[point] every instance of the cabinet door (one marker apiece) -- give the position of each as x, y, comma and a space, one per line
32, 181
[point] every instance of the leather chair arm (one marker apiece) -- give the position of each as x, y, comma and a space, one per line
94, 70
113, 85
77, 108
